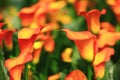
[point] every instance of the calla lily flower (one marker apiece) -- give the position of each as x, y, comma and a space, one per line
88, 49
76, 75
100, 59
6, 35
86, 43
15, 66
36, 14
26, 38
93, 19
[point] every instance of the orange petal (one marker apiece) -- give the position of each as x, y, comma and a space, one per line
26, 38
15, 65
76, 75
8, 39
36, 55
108, 38
111, 2
47, 28
115, 5
26, 44
81, 5
21, 59
15, 72
78, 35
107, 26
1, 24
56, 5
86, 43
99, 70
37, 50
93, 19
47, 0
87, 48
49, 45
1, 16
66, 55
103, 55
27, 15
54, 77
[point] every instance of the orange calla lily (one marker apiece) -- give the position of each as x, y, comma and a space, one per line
76, 75
8, 39
86, 43
6, 35
37, 13
26, 38
16, 65
89, 51
93, 19
101, 58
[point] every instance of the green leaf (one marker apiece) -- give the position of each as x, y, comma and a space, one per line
3, 75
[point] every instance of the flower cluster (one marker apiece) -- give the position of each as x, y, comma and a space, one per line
45, 47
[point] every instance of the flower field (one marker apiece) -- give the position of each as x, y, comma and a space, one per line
59, 39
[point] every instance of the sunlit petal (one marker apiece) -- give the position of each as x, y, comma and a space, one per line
108, 38
103, 55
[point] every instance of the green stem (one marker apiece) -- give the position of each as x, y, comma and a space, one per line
89, 72
3, 75
26, 71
